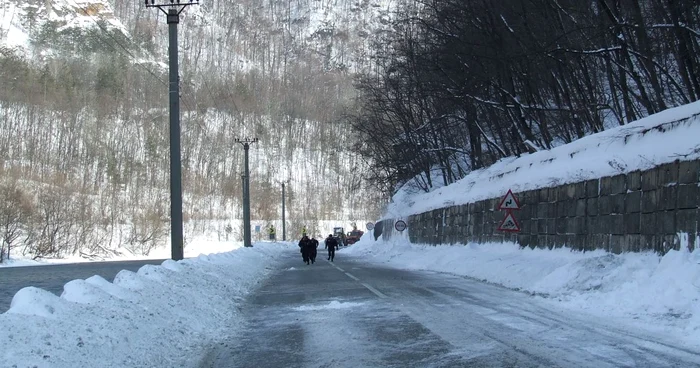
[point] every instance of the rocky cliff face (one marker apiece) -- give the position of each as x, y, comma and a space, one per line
262, 35
41, 29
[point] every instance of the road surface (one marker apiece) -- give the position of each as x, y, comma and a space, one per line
353, 314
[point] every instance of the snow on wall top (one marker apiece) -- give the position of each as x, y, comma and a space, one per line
660, 138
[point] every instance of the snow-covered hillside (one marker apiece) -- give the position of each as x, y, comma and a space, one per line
33, 26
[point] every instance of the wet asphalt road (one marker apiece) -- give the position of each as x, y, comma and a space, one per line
53, 277
352, 314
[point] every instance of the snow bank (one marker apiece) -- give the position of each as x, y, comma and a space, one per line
661, 293
160, 316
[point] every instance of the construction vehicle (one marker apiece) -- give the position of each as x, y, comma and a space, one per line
354, 236
339, 235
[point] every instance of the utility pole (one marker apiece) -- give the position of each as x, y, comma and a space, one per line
284, 223
173, 18
246, 191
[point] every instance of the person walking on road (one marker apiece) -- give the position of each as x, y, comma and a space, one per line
305, 248
331, 245
313, 249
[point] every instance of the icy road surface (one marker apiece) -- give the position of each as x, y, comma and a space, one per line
353, 314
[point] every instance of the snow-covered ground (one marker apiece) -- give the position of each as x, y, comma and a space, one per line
164, 316
198, 245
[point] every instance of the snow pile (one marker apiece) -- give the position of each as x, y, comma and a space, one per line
160, 316
661, 138
658, 292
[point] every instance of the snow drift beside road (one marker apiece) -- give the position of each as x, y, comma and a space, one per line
659, 293
160, 316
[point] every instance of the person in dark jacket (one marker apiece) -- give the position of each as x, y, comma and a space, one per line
313, 249
305, 248
331, 245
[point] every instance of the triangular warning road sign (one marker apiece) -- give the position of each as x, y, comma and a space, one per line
509, 202
509, 224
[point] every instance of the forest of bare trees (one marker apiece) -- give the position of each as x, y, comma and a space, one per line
460, 84
84, 127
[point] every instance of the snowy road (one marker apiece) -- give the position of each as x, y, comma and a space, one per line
351, 314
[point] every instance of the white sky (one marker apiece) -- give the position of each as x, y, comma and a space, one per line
163, 315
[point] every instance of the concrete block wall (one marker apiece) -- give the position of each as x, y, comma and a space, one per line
641, 210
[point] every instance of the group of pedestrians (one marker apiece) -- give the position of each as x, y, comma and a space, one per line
309, 246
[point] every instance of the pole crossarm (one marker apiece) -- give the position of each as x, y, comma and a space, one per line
170, 5
245, 141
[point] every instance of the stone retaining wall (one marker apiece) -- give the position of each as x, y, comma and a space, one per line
641, 210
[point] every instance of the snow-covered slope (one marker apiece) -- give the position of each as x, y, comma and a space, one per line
661, 138
44, 27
